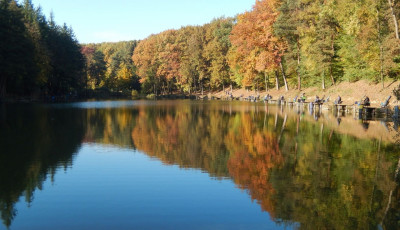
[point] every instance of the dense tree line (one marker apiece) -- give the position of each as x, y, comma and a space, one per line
192, 58
37, 56
109, 66
294, 43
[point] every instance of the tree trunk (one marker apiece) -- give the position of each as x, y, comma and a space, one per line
298, 65
323, 81
266, 82
382, 75
194, 84
163, 88
380, 49
3, 92
396, 25
333, 51
284, 77
256, 87
277, 80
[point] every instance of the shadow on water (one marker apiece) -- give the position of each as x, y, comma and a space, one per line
307, 169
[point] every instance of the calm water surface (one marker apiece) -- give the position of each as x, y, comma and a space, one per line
195, 165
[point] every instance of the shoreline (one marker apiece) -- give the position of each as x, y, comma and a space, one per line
349, 92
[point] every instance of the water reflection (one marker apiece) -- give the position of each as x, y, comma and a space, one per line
34, 143
308, 171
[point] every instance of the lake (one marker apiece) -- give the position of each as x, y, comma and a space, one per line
195, 165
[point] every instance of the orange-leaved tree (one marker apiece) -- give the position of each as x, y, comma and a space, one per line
169, 58
256, 50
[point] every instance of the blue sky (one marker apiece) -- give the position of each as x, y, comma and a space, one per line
117, 20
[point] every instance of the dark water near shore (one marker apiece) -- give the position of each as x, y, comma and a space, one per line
194, 165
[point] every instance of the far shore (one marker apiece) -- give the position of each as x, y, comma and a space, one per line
349, 92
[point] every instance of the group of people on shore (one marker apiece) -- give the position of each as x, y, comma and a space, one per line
302, 98
317, 100
365, 101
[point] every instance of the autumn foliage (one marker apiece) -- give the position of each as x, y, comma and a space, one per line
255, 47
294, 43
298, 43
253, 155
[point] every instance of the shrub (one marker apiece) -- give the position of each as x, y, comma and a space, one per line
134, 94
151, 96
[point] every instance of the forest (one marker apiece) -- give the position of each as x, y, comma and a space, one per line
37, 56
293, 44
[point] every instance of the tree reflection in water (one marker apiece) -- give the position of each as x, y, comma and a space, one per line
34, 142
306, 173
